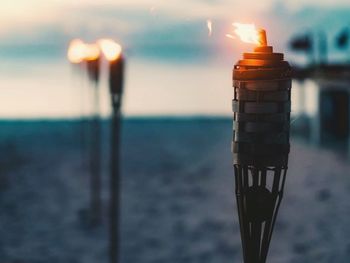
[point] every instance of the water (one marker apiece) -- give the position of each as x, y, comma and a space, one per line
52, 88
178, 201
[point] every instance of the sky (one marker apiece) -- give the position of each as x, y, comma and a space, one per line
157, 29
174, 67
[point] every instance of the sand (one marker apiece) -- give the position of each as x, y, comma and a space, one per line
178, 201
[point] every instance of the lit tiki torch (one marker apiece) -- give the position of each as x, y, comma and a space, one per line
88, 57
76, 51
76, 55
113, 53
93, 69
261, 106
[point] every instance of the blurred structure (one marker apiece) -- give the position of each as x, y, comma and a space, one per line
330, 121
342, 39
303, 43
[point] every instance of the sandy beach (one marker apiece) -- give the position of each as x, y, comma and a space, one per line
178, 203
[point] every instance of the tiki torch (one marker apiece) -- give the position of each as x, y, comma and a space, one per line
76, 55
76, 51
113, 53
261, 107
87, 56
93, 69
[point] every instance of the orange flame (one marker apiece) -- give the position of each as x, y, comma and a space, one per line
92, 52
230, 36
76, 51
209, 25
110, 49
246, 32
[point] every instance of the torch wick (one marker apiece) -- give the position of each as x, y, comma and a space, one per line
262, 37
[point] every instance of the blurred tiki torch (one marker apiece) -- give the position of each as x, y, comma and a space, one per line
76, 55
261, 106
76, 51
93, 69
87, 55
113, 53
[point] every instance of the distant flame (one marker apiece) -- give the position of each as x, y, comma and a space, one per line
92, 52
110, 49
247, 33
230, 36
76, 51
209, 25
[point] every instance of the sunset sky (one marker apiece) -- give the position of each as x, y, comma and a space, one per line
153, 24
174, 67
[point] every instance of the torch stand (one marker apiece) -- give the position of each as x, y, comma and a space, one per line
261, 107
95, 162
95, 154
116, 79
114, 180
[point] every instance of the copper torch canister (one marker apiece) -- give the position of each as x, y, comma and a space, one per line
261, 106
116, 79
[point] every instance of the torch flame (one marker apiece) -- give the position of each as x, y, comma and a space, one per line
247, 33
209, 25
110, 49
76, 51
92, 52
230, 36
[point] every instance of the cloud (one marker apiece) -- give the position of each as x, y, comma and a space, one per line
162, 30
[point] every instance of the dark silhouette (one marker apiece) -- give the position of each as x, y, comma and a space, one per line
93, 68
116, 79
342, 39
302, 43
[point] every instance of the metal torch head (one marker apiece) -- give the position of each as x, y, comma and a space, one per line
116, 76
93, 68
261, 106
92, 58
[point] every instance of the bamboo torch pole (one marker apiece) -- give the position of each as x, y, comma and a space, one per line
113, 53
93, 67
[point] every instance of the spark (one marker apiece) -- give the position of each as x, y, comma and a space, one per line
209, 25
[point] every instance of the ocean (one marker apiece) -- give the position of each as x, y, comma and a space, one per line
49, 88
178, 203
